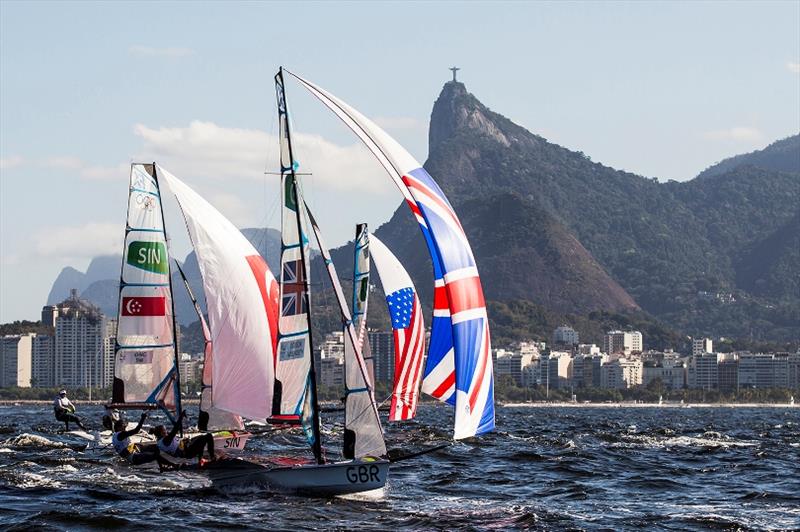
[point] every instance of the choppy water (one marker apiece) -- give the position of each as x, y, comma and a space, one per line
555, 468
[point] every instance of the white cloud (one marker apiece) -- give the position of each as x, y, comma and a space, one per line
207, 150
11, 162
86, 170
400, 122
738, 133
793, 67
78, 242
169, 52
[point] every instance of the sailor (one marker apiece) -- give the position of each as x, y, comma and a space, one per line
136, 453
169, 443
65, 410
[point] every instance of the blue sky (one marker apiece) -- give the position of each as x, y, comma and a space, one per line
659, 89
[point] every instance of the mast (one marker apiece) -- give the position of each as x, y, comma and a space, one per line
175, 330
283, 113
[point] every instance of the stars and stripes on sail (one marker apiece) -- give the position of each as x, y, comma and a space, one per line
408, 328
459, 366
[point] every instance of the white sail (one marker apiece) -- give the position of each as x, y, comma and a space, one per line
241, 294
209, 417
145, 371
293, 362
363, 431
361, 296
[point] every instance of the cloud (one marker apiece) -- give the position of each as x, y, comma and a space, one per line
206, 149
171, 52
85, 170
11, 162
78, 242
738, 133
793, 67
400, 122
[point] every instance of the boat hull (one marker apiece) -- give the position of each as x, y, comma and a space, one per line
229, 441
308, 479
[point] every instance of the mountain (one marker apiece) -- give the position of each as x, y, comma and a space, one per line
100, 283
782, 155
558, 235
769, 268
666, 244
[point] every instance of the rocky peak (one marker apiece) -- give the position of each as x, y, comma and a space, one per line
457, 110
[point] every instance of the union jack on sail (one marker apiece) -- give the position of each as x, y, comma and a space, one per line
294, 298
459, 362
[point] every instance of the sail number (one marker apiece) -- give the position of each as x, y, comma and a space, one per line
231, 443
362, 474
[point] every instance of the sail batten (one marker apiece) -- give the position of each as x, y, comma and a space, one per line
459, 356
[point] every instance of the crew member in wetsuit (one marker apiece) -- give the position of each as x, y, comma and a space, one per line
169, 443
136, 453
65, 410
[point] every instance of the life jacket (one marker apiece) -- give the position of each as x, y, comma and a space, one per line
125, 447
171, 449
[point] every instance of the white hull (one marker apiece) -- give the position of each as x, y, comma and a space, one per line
227, 442
309, 479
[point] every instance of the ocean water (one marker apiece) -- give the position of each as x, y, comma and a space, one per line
555, 468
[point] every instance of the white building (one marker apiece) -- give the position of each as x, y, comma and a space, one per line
755, 370
701, 346
15, 360
671, 371
84, 355
532, 348
511, 364
588, 349
621, 373
382, 347
43, 361
556, 369
331, 372
622, 342
706, 376
566, 335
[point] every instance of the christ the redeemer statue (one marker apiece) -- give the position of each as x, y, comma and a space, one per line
454, 69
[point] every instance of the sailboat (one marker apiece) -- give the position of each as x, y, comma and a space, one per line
459, 367
408, 328
146, 372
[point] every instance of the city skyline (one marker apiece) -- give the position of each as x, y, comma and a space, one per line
72, 123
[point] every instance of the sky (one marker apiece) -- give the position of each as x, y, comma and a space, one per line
660, 89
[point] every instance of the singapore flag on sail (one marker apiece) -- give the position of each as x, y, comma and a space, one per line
144, 306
